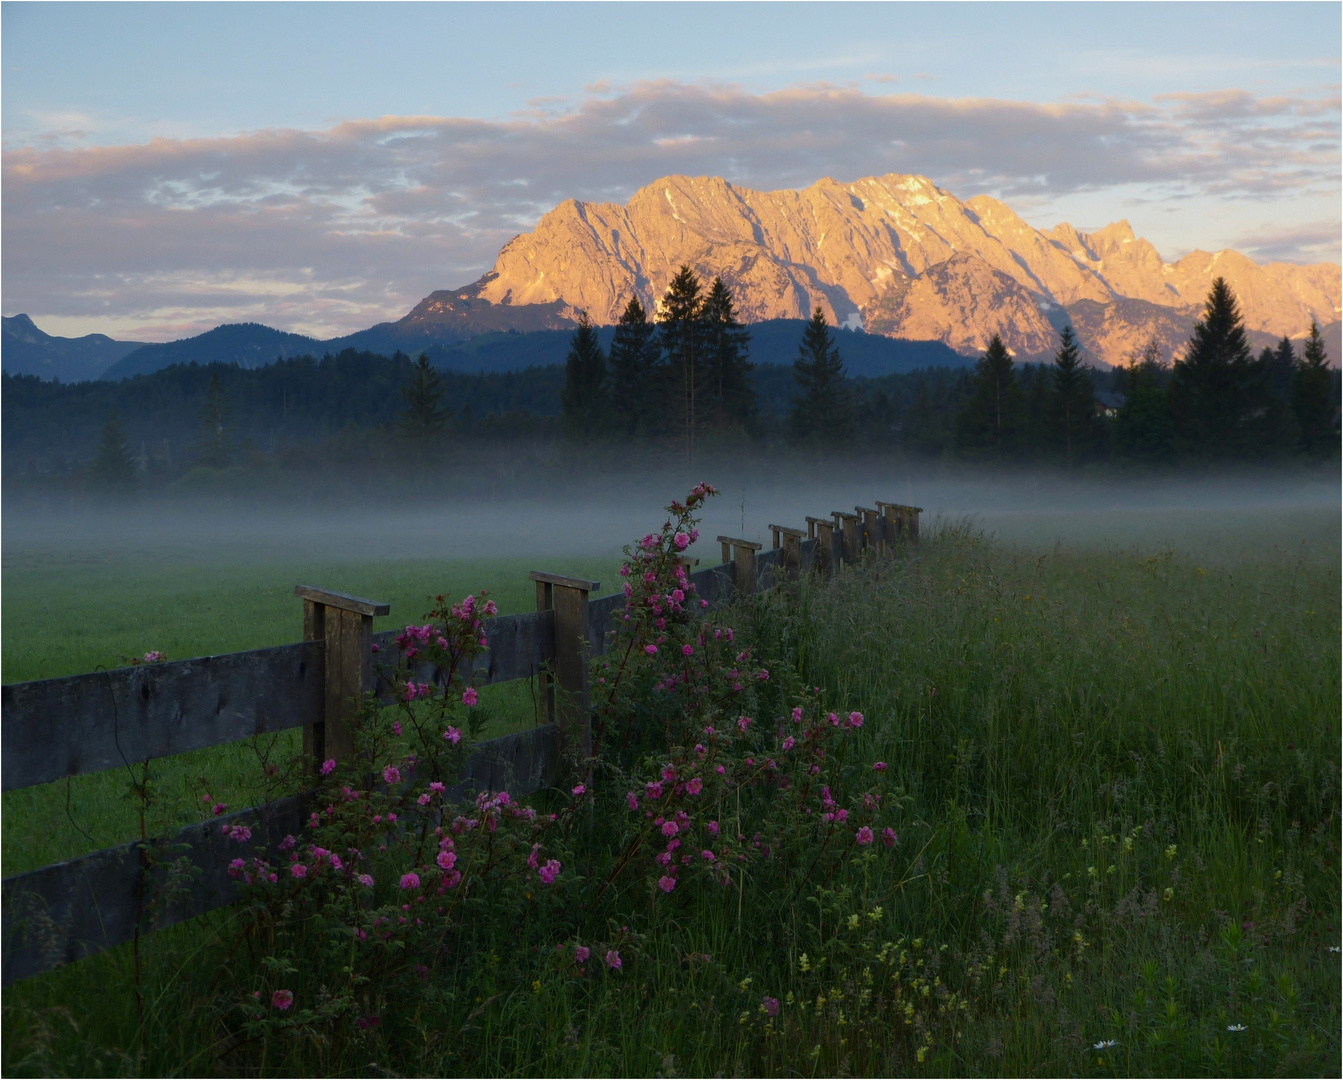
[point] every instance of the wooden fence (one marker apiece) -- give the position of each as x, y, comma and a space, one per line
57, 728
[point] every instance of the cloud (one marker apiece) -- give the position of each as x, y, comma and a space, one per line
1318, 241
371, 214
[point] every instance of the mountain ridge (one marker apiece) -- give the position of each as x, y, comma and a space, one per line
924, 263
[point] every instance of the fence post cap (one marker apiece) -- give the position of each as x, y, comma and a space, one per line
827, 522
788, 531
865, 510
844, 515
343, 601
566, 582
741, 543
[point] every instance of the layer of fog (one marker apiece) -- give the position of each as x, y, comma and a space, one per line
595, 516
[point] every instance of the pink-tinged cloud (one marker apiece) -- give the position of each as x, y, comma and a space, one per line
329, 231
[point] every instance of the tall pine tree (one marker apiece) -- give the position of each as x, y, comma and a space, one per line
823, 409
1313, 400
1143, 427
684, 349
634, 371
215, 419
113, 468
425, 415
1212, 389
584, 396
731, 397
1070, 412
987, 423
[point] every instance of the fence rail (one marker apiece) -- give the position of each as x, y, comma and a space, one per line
54, 728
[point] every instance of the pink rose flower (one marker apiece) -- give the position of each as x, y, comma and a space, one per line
469, 696
613, 959
410, 881
282, 999
581, 954
864, 835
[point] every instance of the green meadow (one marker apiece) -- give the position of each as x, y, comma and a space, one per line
1117, 743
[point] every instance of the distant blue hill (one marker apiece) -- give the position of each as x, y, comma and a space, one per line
251, 345
26, 350
248, 345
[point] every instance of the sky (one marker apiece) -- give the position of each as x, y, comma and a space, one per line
320, 168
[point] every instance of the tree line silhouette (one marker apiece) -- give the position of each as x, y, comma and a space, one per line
684, 376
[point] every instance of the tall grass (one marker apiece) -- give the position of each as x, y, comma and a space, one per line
1118, 827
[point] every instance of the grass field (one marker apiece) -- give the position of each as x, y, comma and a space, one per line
1120, 763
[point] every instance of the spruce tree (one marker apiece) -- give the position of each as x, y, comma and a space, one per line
1313, 400
113, 468
987, 423
1143, 428
731, 397
583, 398
1070, 414
1280, 367
682, 338
1212, 388
425, 415
822, 411
634, 371
215, 418
1270, 422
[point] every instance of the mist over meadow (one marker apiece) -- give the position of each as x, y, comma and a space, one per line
593, 513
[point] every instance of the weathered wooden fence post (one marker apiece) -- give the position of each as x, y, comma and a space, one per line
894, 520
790, 561
871, 529
847, 527
912, 522
345, 624
827, 552
565, 698
741, 554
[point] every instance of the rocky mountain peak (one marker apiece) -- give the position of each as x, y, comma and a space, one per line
895, 253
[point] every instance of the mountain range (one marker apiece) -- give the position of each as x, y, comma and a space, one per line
895, 256
900, 257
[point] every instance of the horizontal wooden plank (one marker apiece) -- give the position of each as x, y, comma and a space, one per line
787, 530
567, 582
342, 600
69, 910
86, 723
807, 554
74, 909
602, 614
714, 584
518, 646
521, 763
740, 543
765, 564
